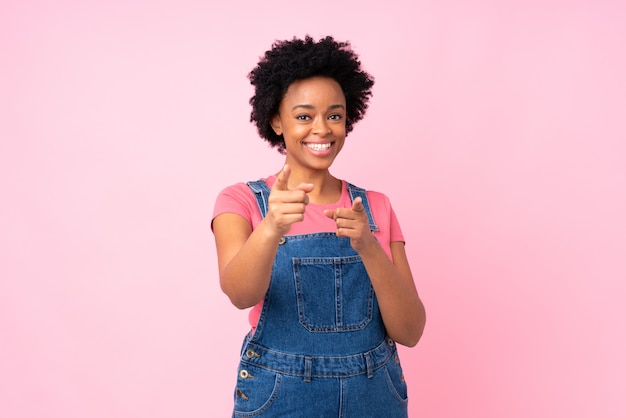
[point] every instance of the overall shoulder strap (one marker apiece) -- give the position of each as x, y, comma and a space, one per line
262, 192
356, 192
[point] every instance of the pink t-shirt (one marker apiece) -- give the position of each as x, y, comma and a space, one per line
239, 199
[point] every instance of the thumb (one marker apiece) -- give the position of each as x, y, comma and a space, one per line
330, 213
282, 179
357, 205
305, 187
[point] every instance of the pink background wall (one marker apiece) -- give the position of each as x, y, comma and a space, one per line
497, 128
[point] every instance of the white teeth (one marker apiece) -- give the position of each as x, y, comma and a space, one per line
318, 147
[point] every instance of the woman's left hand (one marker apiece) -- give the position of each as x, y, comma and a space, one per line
353, 223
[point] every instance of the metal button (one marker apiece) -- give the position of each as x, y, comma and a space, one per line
396, 359
390, 342
282, 241
244, 374
250, 353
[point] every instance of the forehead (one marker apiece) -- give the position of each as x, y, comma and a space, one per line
315, 89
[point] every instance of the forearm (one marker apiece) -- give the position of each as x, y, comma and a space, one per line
401, 308
246, 277
246, 256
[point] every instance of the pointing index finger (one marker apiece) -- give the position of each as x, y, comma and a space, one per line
357, 205
282, 179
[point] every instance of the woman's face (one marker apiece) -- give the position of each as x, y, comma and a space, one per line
312, 120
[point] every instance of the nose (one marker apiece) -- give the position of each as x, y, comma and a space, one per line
320, 127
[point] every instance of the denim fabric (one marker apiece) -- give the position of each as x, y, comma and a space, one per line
320, 348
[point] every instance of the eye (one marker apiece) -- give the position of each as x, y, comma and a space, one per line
335, 116
303, 117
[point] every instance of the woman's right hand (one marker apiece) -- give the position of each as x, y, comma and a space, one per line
286, 206
245, 256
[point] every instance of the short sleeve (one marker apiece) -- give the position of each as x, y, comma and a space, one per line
386, 220
240, 200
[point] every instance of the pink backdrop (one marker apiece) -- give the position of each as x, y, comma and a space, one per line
497, 128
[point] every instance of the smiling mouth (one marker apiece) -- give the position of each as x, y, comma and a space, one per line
319, 147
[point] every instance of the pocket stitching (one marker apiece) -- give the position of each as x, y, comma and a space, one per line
393, 388
263, 408
332, 262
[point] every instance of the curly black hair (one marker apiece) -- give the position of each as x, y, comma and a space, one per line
299, 59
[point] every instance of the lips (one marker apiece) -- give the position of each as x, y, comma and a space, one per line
319, 147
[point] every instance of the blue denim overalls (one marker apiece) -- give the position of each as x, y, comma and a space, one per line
320, 348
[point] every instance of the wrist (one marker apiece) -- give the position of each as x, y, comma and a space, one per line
271, 234
367, 247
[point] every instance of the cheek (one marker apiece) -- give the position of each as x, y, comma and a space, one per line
339, 145
339, 130
298, 132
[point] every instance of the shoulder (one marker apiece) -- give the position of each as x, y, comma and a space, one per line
378, 200
385, 216
378, 197
373, 196
237, 198
380, 205
242, 190
237, 191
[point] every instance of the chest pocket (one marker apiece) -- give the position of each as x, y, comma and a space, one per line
334, 294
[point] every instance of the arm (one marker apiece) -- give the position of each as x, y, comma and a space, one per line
401, 308
245, 256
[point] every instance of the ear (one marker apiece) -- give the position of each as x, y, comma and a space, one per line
276, 124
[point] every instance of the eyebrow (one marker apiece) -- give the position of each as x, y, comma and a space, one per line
308, 106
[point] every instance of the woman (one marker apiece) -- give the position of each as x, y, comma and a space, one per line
320, 261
